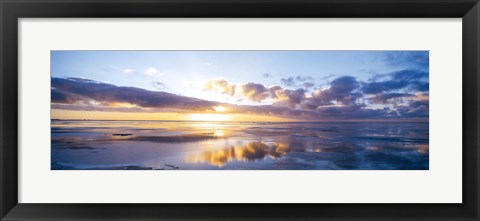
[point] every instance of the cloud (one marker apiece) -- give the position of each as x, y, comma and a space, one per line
408, 59
417, 106
70, 91
280, 111
422, 96
340, 91
397, 95
308, 84
288, 81
304, 78
298, 81
61, 97
254, 91
328, 77
417, 109
159, 85
413, 79
289, 98
388, 97
343, 97
151, 71
83, 94
342, 86
220, 85
354, 112
130, 71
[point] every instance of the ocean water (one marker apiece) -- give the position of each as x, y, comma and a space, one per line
182, 145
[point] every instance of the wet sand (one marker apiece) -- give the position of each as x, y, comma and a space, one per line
168, 145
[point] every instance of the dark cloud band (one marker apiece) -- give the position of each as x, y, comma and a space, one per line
402, 94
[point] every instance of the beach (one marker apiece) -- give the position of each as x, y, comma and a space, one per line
200, 145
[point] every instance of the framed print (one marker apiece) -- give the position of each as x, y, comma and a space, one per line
320, 110
189, 120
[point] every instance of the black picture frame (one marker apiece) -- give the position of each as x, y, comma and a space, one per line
12, 10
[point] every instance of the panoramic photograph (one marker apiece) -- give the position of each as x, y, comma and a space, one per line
239, 110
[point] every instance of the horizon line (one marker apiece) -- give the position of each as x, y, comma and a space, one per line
305, 121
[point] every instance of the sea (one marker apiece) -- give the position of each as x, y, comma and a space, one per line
218, 145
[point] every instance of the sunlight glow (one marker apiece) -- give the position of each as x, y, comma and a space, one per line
122, 104
208, 117
219, 109
112, 115
219, 133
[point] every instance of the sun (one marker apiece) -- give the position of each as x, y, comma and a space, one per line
208, 117
219, 109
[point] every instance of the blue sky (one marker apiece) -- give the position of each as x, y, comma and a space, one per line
317, 81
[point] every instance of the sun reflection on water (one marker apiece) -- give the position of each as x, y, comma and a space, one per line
219, 133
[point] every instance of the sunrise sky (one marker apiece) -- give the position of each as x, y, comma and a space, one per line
240, 85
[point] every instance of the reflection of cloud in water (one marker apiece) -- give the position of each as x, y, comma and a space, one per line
423, 148
316, 150
374, 148
250, 152
225, 145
